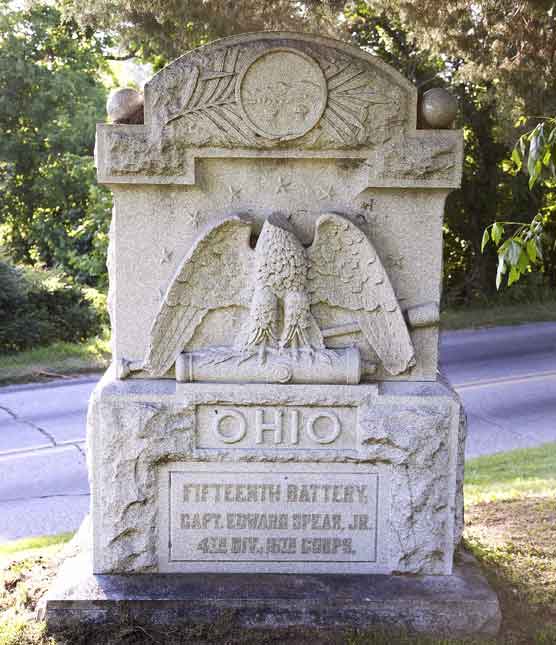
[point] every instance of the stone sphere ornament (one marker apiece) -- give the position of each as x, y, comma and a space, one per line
124, 104
439, 108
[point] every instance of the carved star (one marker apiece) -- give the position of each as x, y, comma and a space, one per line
166, 255
195, 218
394, 260
368, 206
328, 193
283, 185
235, 192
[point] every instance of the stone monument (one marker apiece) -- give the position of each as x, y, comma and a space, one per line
274, 404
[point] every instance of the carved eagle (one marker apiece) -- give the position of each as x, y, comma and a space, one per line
279, 281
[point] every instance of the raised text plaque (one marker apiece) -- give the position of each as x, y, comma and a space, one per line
272, 517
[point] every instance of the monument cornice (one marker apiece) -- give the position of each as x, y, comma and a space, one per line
217, 102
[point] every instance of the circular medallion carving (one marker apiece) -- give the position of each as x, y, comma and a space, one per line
282, 93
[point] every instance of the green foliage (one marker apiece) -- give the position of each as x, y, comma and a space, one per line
385, 36
536, 151
506, 44
530, 245
41, 308
518, 254
161, 31
51, 96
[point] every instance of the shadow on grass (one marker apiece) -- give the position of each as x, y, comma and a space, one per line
515, 543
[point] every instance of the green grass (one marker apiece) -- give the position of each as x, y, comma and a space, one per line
58, 359
30, 544
508, 475
510, 501
496, 314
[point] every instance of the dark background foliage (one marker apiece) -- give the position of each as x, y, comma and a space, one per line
37, 312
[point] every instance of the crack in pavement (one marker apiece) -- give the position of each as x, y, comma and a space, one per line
32, 425
79, 449
28, 499
37, 450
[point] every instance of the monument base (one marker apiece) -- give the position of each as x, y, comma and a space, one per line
460, 604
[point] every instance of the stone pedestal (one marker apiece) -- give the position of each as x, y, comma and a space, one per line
275, 478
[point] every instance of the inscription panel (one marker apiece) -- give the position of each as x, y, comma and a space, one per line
270, 517
276, 427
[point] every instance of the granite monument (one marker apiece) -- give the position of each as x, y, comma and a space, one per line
274, 404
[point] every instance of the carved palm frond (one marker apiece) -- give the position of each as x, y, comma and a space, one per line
210, 96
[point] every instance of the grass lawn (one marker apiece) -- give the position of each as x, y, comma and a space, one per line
496, 314
58, 359
510, 527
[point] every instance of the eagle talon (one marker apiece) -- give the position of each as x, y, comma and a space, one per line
262, 353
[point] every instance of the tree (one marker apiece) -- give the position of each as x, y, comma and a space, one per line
486, 190
51, 96
161, 30
510, 44
500, 59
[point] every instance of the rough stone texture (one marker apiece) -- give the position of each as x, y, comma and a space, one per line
412, 433
124, 104
455, 605
229, 130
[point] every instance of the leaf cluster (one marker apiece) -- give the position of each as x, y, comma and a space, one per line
520, 252
43, 308
535, 151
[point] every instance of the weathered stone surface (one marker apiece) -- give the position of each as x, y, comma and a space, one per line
407, 435
239, 93
160, 225
439, 108
282, 283
461, 604
125, 105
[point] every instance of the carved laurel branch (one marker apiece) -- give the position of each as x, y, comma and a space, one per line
210, 95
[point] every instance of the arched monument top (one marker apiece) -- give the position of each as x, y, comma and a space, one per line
279, 95
282, 86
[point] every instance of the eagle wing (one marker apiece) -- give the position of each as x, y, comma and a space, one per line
345, 271
215, 273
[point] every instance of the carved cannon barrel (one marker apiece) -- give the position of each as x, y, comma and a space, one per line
338, 366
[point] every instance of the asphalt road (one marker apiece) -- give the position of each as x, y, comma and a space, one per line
505, 376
